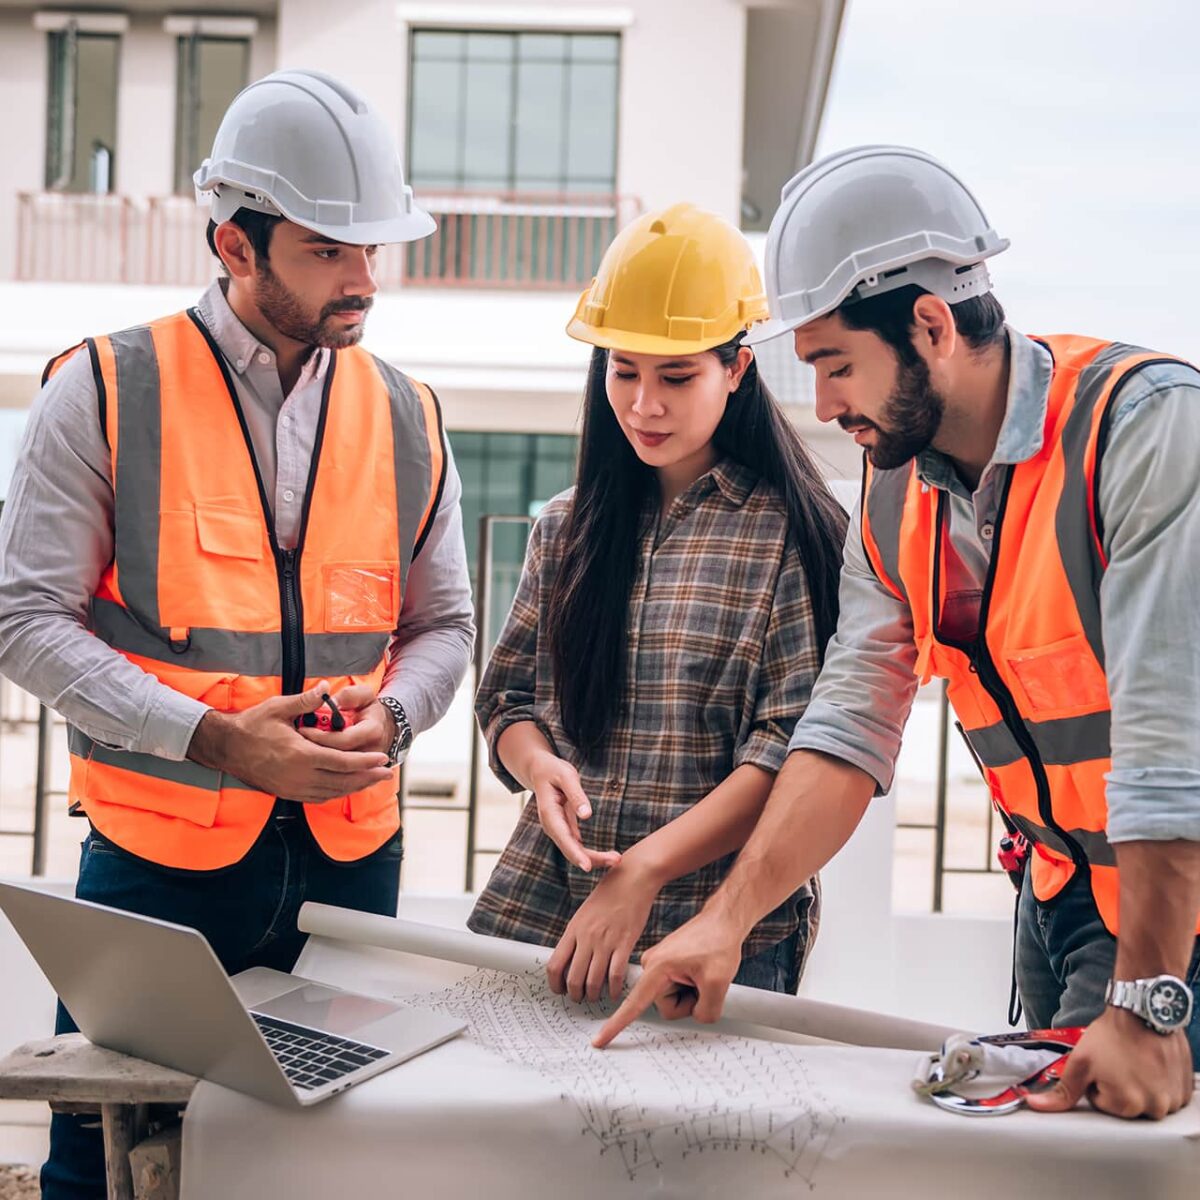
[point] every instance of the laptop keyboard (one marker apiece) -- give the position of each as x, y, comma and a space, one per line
309, 1058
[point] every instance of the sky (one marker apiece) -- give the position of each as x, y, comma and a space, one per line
1077, 127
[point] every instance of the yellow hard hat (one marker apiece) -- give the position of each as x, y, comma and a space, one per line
673, 282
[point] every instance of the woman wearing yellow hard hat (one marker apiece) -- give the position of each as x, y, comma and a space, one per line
668, 627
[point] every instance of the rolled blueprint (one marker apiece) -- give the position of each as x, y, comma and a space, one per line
795, 1014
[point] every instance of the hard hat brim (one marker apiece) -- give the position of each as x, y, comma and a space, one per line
766, 331
643, 343
411, 227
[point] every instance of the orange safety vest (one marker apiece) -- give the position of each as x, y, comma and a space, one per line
1030, 694
200, 595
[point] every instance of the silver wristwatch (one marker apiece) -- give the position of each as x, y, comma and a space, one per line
1164, 1002
398, 750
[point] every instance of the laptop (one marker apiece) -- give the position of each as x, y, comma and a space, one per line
156, 991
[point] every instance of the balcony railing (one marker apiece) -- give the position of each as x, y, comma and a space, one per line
497, 240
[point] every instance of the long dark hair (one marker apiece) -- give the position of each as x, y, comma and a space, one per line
589, 600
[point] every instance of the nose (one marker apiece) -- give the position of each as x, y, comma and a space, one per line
361, 279
826, 405
645, 400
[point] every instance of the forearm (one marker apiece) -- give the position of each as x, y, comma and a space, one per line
518, 749
1160, 901
96, 689
814, 807
716, 826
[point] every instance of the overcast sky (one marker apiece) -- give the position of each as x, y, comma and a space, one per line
1076, 125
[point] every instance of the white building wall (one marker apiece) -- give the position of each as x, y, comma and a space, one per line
682, 85
23, 66
146, 109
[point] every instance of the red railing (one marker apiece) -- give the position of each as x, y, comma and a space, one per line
509, 240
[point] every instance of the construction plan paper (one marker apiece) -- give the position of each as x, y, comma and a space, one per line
523, 1107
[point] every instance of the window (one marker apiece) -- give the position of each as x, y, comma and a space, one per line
508, 474
211, 71
524, 112
81, 125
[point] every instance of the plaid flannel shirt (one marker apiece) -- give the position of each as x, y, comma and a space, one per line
722, 656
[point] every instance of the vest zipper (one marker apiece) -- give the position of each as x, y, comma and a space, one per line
292, 626
983, 665
287, 562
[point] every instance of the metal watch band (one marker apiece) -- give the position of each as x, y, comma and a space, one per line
1135, 995
403, 737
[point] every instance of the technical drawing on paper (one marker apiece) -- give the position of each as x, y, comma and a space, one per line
682, 1093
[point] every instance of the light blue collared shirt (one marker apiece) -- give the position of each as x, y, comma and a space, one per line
1150, 512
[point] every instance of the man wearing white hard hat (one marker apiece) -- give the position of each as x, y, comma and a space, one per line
1029, 531
233, 560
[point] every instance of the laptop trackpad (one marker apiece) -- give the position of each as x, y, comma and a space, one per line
327, 1009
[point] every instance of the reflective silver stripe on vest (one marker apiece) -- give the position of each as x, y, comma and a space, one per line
139, 468
1095, 846
329, 654
412, 459
1060, 743
884, 508
1073, 525
187, 773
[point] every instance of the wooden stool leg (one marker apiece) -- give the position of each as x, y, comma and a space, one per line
124, 1127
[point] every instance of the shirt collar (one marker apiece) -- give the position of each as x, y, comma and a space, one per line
237, 343
734, 481
1023, 429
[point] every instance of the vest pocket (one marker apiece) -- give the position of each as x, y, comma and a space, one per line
1060, 679
361, 597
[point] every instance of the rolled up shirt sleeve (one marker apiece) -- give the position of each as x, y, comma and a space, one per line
56, 540
1149, 506
863, 696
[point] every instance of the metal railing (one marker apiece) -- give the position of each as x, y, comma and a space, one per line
498, 240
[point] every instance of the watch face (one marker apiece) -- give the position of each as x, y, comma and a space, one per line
1167, 1003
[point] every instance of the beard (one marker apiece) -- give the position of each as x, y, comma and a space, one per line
287, 313
910, 421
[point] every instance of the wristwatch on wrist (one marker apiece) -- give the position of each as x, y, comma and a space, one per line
1164, 1002
398, 750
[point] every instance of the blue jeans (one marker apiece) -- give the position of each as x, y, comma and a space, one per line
1064, 959
775, 969
248, 914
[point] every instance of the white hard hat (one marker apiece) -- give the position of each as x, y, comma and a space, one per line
867, 221
303, 145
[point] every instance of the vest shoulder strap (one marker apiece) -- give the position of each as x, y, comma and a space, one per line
425, 412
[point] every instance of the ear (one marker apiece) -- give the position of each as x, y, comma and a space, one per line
235, 250
738, 368
934, 332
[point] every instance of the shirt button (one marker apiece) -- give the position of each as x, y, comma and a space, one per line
987, 530
289, 494
241, 362
264, 359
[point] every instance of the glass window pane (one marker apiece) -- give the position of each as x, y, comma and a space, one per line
542, 46
592, 129
434, 140
488, 130
437, 43
490, 46
601, 47
539, 125
211, 72
82, 134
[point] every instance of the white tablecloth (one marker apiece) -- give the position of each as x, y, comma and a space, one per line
522, 1107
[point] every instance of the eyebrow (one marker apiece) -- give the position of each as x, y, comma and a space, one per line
319, 239
674, 364
824, 352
